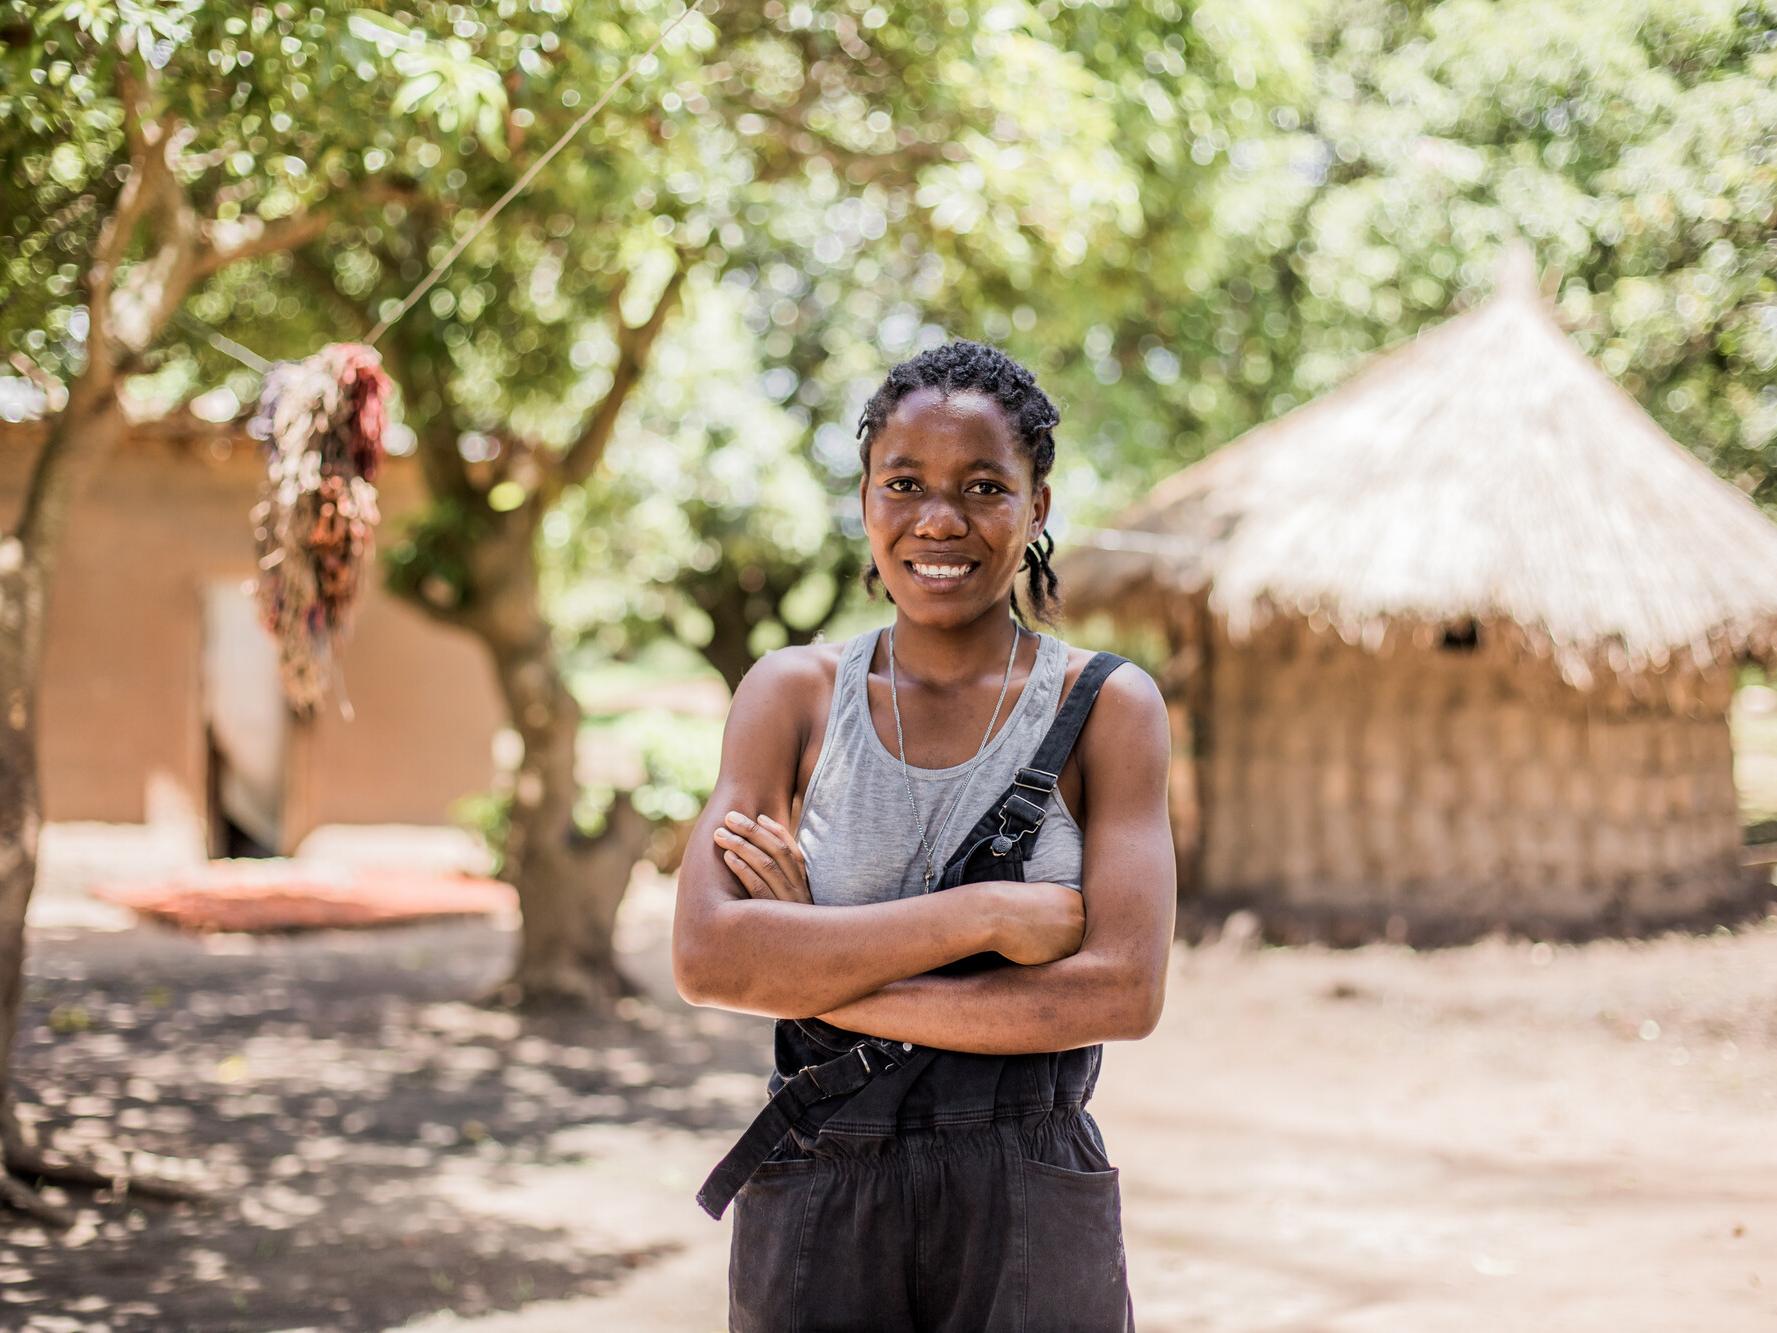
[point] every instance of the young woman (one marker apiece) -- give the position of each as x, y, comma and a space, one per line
944, 961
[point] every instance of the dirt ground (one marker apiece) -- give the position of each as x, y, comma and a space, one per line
1501, 1137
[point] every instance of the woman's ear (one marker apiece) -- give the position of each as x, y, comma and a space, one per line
1039, 512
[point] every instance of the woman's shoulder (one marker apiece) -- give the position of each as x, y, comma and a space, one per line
801, 664
1126, 733
798, 677
1078, 657
1128, 693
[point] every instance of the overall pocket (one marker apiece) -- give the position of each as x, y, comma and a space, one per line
765, 1250
1076, 1278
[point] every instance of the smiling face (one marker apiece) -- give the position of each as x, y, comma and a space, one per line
950, 502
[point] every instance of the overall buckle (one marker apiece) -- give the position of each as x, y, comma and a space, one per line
860, 1051
1003, 842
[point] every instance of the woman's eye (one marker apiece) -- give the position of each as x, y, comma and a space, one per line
907, 486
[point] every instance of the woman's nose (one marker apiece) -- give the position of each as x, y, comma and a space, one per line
940, 520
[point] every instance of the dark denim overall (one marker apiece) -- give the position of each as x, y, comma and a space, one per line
888, 1186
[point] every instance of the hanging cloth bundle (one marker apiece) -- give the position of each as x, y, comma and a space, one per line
322, 420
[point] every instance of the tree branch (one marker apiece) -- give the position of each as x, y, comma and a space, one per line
150, 189
633, 348
80, 435
899, 166
250, 237
123, 319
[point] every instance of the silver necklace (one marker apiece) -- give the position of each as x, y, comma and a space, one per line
901, 748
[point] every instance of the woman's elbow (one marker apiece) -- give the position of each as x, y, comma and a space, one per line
688, 976
1139, 1004
1147, 1015
697, 973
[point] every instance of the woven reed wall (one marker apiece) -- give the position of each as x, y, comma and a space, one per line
1462, 785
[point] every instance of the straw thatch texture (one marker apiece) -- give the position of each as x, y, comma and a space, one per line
1485, 470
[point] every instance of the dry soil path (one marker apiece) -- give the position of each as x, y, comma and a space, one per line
1501, 1137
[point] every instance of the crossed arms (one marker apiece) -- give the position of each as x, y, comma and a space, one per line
1095, 961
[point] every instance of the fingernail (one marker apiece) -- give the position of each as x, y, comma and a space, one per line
723, 834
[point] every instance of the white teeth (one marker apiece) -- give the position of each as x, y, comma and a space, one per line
941, 571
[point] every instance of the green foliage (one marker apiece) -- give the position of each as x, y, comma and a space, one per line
675, 757
708, 498
487, 815
1270, 192
680, 756
429, 563
1365, 182
443, 81
1188, 218
1630, 144
801, 167
261, 112
516, 343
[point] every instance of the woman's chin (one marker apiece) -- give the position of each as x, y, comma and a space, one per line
941, 606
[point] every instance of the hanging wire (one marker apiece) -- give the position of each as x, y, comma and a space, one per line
223, 343
253, 361
518, 186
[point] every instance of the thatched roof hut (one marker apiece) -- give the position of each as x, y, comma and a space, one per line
1454, 643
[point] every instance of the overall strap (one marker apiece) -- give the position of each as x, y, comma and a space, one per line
1021, 809
1059, 743
841, 1076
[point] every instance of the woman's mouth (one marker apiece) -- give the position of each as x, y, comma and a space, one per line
940, 573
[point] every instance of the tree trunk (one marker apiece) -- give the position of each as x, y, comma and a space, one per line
731, 632
21, 621
24, 585
82, 435
126, 315
569, 886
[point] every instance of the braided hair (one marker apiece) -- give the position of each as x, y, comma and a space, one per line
959, 367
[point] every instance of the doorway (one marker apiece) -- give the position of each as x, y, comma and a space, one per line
246, 724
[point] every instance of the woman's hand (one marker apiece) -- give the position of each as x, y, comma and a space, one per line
764, 858
1036, 922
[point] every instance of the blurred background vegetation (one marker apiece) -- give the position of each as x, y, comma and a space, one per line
634, 396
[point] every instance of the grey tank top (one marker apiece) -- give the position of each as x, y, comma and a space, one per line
857, 830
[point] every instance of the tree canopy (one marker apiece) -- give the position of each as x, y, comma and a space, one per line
1187, 218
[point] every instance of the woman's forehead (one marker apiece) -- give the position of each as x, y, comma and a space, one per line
962, 418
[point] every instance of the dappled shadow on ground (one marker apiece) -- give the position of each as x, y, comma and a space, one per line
344, 1096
